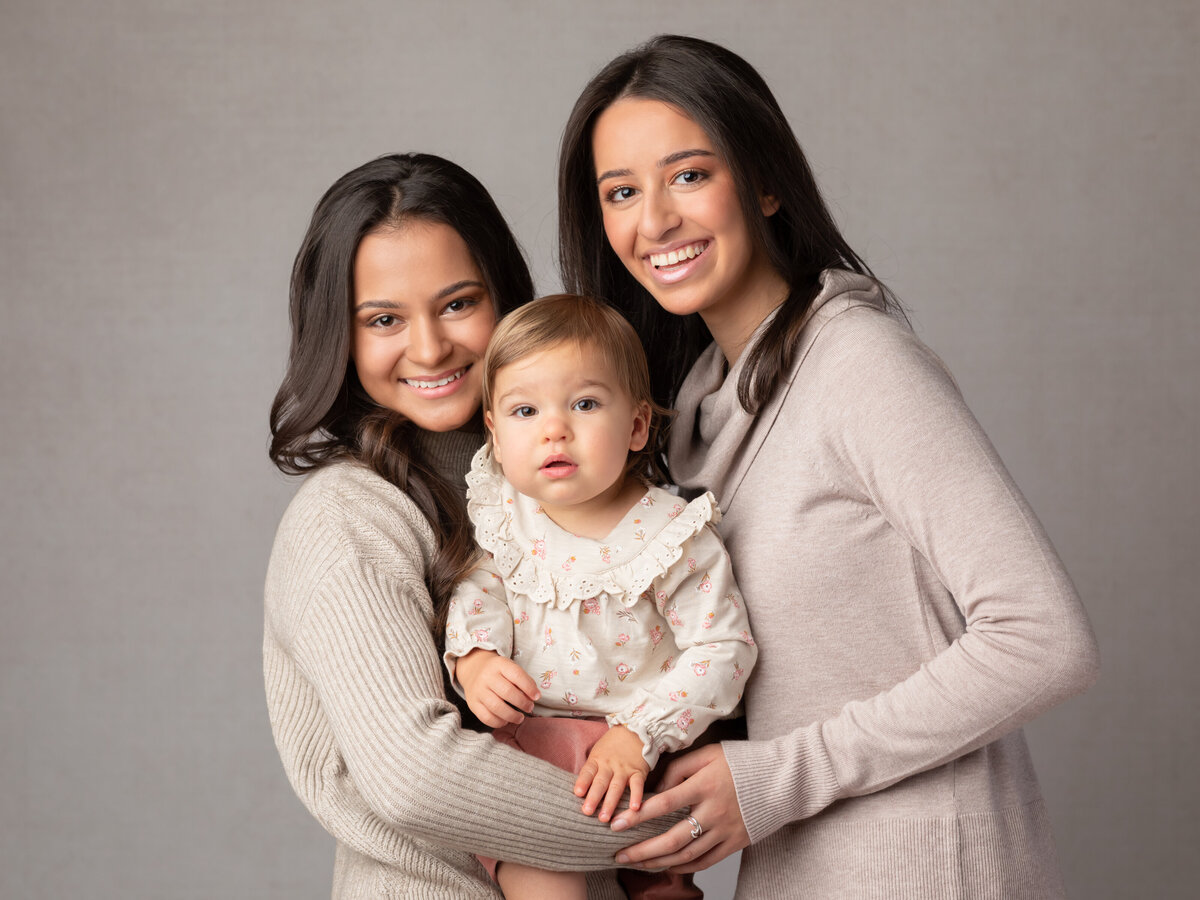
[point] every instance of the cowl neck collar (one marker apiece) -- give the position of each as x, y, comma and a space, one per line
713, 440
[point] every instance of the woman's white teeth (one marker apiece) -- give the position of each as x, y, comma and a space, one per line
418, 383
691, 251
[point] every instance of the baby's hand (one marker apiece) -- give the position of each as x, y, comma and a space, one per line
497, 689
615, 761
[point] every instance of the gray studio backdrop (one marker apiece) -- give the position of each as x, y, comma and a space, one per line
1023, 172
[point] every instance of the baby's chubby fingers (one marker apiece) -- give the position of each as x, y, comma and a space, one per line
597, 790
616, 789
523, 689
584, 780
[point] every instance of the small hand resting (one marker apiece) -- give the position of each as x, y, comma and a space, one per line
615, 761
701, 780
496, 688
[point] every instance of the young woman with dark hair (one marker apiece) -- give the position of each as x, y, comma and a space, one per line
910, 611
403, 273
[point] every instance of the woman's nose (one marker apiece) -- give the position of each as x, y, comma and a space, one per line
658, 215
427, 344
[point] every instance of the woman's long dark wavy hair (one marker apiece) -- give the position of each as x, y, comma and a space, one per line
321, 412
725, 96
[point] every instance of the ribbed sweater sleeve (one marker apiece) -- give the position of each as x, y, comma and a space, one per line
875, 411
356, 689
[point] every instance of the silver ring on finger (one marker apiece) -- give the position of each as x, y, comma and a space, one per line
697, 828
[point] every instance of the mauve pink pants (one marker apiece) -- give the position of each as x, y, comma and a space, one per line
566, 743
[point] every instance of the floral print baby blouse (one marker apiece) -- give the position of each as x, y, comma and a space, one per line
645, 627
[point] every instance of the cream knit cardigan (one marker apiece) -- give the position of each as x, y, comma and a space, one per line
911, 615
356, 700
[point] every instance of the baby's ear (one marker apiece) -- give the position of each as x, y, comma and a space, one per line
641, 427
491, 427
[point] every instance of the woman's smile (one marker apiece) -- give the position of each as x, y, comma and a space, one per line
673, 216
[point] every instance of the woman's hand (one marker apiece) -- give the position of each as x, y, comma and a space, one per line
615, 760
497, 689
701, 780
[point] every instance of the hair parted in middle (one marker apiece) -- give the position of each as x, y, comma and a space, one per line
724, 95
546, 323
321, 413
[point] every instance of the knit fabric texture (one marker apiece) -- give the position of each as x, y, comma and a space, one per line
355, 691
910, 611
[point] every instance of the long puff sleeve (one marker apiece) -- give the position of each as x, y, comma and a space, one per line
479, 618
703, 680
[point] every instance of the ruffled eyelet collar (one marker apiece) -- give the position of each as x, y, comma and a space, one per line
542, 561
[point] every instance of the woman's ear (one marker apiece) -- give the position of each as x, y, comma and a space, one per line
641, 427
769, 204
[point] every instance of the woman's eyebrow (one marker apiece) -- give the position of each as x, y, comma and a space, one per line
662, 163
681, 155
440, 295
458, 286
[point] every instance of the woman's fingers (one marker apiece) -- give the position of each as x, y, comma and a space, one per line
682, 768
676, 843
658, 805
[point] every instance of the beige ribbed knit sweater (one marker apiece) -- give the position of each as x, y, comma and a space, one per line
368, 740
911, 615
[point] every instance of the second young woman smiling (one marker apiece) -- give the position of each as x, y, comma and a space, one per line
665, 190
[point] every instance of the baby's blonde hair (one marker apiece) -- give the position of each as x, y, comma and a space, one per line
569, 318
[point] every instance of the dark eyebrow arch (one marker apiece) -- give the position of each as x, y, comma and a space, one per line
440, 295
675, 157
458, 286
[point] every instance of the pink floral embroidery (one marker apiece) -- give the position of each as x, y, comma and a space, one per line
623, 670
684, 721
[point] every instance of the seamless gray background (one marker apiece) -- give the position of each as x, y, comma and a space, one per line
1023, 173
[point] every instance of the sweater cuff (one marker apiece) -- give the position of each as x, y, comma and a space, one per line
781, 780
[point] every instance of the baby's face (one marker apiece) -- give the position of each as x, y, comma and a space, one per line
562, 427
